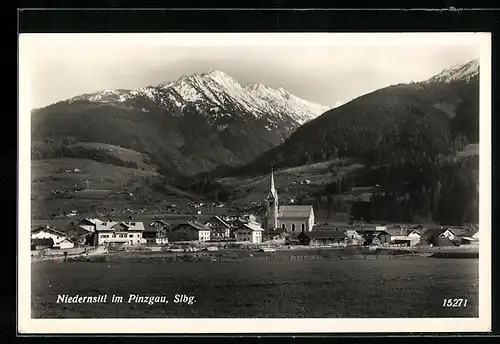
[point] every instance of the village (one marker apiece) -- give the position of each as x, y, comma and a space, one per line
281, 227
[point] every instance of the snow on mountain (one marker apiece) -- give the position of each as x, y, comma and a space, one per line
217, 94
459, 72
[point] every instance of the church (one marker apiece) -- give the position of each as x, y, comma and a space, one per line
292, 218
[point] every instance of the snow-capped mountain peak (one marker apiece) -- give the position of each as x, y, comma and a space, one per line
459, 72
215, 93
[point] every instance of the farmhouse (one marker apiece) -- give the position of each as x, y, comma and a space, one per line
374, 237
89, 224
411, 237
118, 233
353, 237
60, 239
439, 237
470, 238
293, 218
250, 232
322, 238
278, 233
189, 231
219, 229
156, 233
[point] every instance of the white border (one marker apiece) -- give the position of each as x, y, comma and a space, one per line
26, 325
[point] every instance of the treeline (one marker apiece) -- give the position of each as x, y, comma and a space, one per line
210, 188
63, 147
445, 193
402, 124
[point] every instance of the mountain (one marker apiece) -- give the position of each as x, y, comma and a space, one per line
187, 126
406, 153
407, 123
458, 73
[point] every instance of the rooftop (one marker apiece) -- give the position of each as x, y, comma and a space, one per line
294, 211
325, 234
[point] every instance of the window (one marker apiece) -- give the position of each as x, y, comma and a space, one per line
283, 226
303, 227
293, 227
131, 236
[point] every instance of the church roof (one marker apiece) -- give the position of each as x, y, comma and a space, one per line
295, 211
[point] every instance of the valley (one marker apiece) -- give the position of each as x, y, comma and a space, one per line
207, 139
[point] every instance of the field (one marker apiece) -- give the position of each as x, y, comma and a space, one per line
375, 288
292, 181
96, 188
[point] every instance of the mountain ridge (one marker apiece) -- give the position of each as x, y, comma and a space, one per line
215, 87
412, 122
187, 126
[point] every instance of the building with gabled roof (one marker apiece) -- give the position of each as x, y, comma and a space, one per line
219, 229
60, 239
118, 233
155, 233
250, 232
439, 237
293, 218
89, 224
189, 231
323, 237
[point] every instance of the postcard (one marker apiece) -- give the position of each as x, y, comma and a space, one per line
254, 183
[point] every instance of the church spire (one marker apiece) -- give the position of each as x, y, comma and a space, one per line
271, 219
273, 194
273, 189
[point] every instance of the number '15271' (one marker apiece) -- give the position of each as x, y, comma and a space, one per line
455, 303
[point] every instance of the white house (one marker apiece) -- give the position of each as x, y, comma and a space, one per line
60, 239
250, 232
64, 244
118, 232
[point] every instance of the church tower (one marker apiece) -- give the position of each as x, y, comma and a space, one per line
272, 206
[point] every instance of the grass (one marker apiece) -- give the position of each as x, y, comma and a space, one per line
288, 180
372, 288
109, 187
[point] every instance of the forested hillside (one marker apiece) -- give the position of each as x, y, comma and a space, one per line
409, 137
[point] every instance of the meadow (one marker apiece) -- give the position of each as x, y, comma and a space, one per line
372, 288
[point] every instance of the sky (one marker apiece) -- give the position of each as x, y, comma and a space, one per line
329, 69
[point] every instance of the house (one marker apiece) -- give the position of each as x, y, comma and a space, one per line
439, 237
40, 244
470, 238
64, 244
397, 233
353, 237
277, 234
189, 231
476, 234
250, 232
293, 218
119, 233
219, 229
156, 233
322, 238
89, 224
374, 237
60, 239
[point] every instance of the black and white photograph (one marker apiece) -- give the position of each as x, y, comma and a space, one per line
289, 182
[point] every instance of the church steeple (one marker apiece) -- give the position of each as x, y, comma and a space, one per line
273, 194
272, 206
